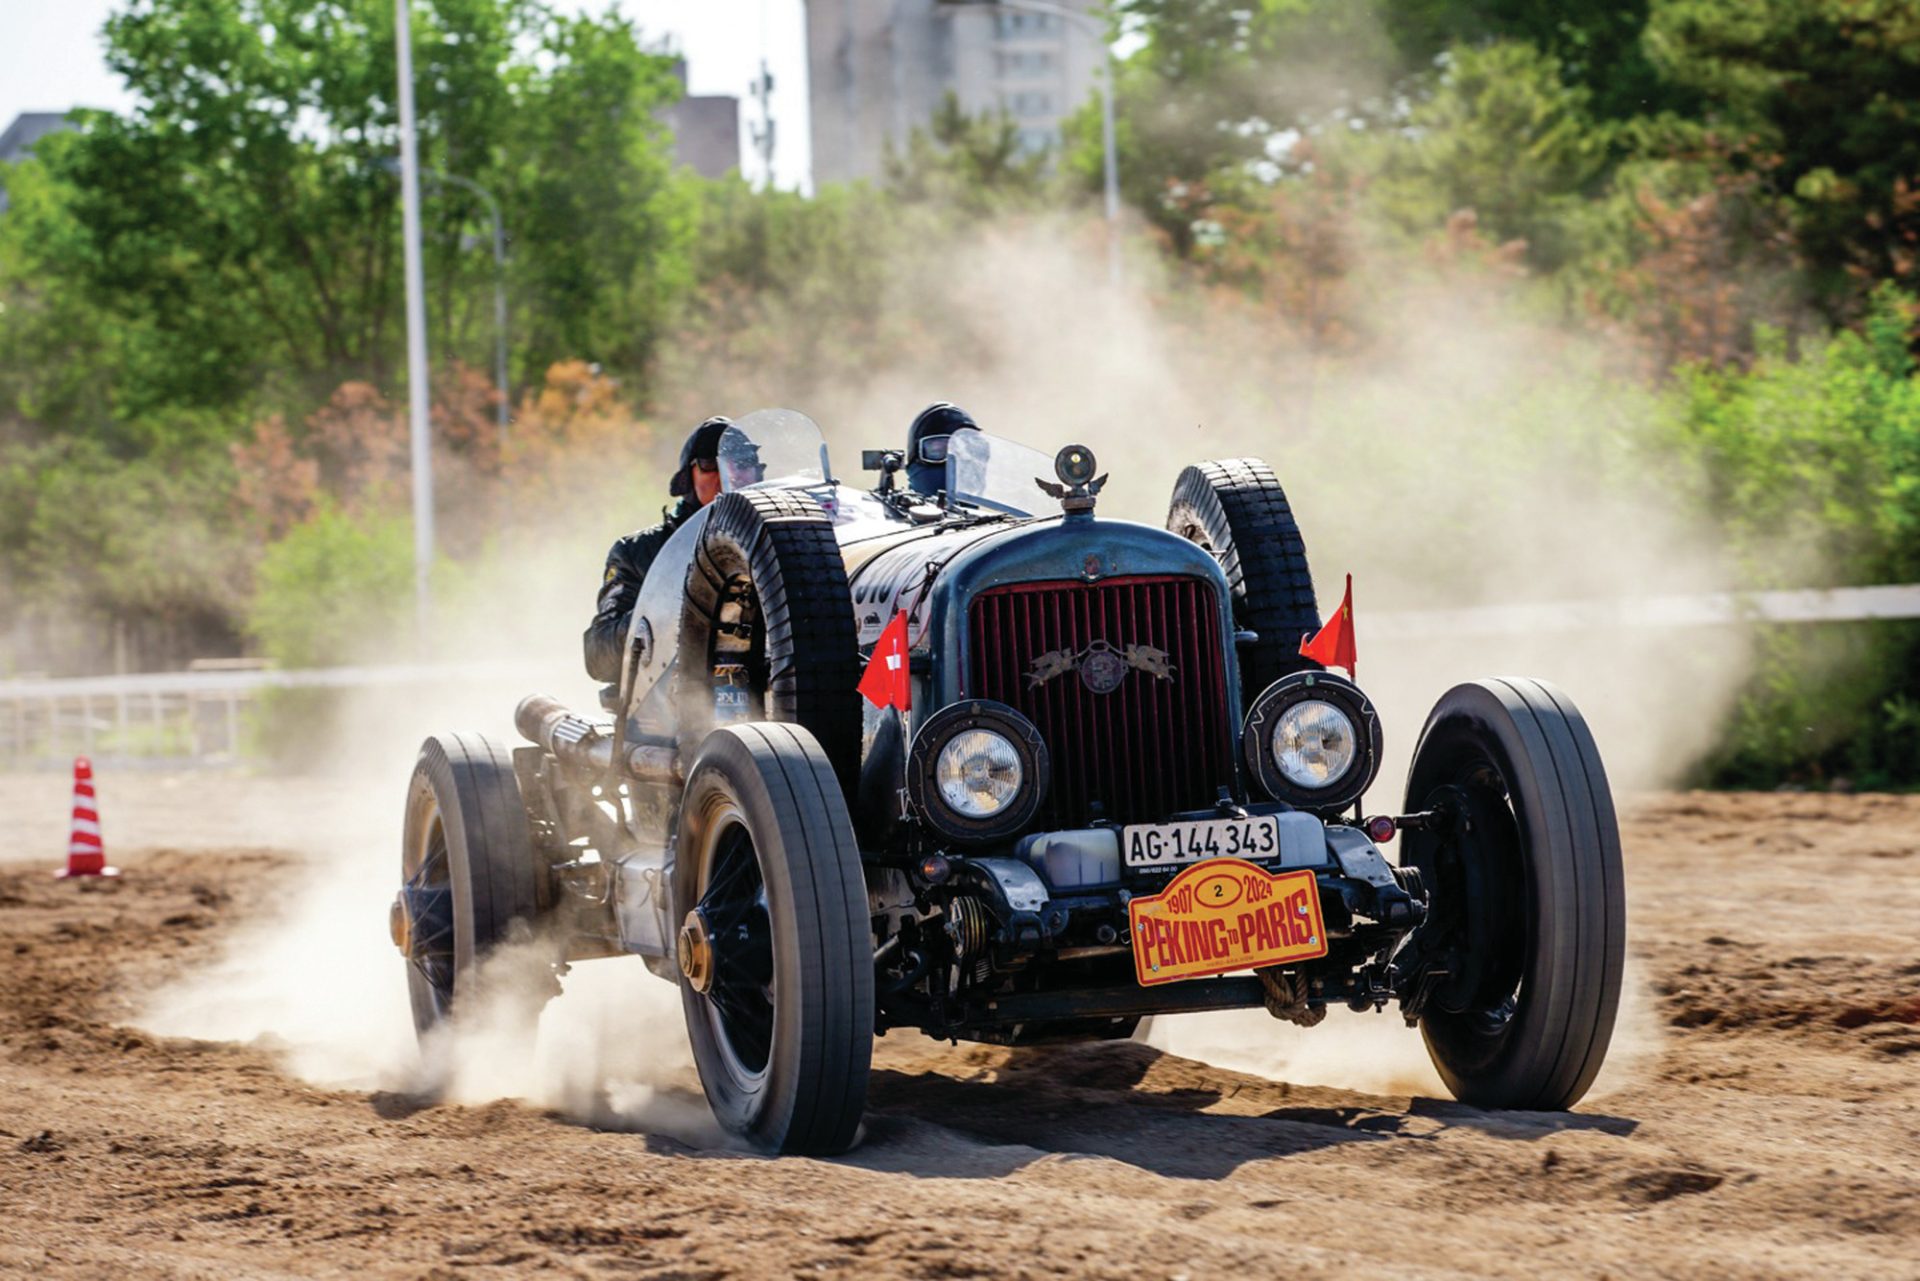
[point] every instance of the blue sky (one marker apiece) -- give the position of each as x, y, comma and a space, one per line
50, 59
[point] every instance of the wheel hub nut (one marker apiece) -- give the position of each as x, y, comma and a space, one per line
399, 925
695, 947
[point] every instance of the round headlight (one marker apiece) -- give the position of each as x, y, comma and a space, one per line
977, 771
1314, 743
1312, 739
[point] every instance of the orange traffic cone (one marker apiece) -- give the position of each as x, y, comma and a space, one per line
85, 854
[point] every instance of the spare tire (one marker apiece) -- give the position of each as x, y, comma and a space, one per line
1235, 508
768, 572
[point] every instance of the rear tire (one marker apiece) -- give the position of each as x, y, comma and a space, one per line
470, 884
772, 905
1528, 907
1235, 508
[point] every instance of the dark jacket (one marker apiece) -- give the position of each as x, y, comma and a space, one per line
627, 565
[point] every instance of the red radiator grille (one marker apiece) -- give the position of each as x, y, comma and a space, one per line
1150, 748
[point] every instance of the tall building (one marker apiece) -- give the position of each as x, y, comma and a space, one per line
706, 129
877, 69
27, 128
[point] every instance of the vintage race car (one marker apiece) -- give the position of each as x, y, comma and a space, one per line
1091, 778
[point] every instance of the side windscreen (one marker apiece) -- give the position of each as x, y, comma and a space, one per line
773, 446
991, 471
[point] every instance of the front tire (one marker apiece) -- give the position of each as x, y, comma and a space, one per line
470, 885
775, 948
1528, 907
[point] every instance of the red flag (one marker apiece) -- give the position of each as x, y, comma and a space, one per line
885, 683
1333, 647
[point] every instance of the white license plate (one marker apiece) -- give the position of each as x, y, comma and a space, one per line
1174, 844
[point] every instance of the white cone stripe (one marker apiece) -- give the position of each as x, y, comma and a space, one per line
85, 826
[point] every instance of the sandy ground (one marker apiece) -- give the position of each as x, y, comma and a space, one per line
1762, 1118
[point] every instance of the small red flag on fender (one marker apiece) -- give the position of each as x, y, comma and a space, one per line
1333, 647
885, 683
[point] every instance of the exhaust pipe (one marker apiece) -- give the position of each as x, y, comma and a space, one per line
576, 741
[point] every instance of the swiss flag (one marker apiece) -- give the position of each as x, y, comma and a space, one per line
1333, 647
885, 683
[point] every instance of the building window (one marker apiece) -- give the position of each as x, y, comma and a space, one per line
1030, 104
1024, 64
1033, 142
1015, 25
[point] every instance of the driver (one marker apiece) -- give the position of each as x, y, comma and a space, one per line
927, 444
696, 484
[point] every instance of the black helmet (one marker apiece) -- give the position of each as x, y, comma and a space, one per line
702, 443
927, 443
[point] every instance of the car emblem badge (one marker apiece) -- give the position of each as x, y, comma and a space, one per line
1102, 665
1102, 670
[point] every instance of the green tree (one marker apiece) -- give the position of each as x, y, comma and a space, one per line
237, 229
1822, 97
600, 231
1595, 44
1502, 134
88, 541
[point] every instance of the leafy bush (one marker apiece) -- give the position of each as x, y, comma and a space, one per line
1812, 465
334, 589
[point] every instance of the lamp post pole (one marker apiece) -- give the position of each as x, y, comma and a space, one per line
1108, 145
417, 390
1111, 163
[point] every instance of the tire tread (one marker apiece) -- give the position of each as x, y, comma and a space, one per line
1571, 845
1246, 519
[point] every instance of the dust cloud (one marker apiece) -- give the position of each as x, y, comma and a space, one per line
321, 984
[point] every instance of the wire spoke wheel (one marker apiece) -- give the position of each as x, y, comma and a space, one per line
426, 904
775, 948
739, 991
470, 880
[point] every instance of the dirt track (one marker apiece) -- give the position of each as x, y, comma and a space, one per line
1769, 1127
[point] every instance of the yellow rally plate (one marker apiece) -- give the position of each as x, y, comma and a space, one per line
1223, 914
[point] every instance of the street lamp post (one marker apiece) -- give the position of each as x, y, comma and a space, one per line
1108, 145
1111, 163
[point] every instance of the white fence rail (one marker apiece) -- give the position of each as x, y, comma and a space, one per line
1711, 609
176, 718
